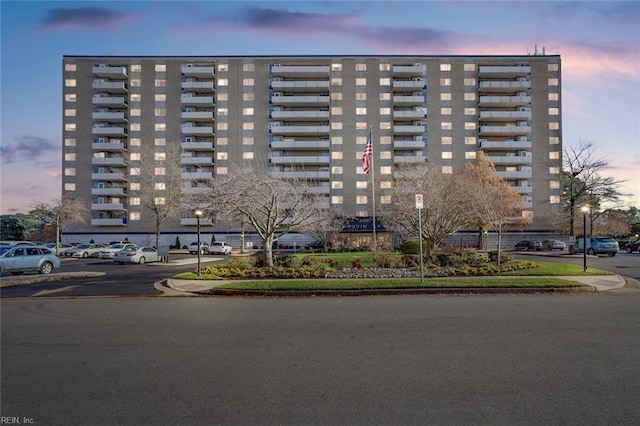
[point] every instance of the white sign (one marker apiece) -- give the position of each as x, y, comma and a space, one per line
419, 201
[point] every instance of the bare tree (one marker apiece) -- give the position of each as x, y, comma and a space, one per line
273, 206
161, 184
326, 224
445, 208
583, 183
496, 205
62, 212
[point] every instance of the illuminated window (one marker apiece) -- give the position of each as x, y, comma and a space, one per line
446, 140
160, 141
385, 111
134, 201
361, 199
336, 96
70, 171
554, 199
386, 184
446, 125
71, 112
554, 111
470, 155
160, 97
135, 141
336, 67
385, 155
248, 67
70, 97
247, 125
336, 155
386, 170
159, 186
159, 201
469, 111
247, 141
361, 184
134, 156
69, 67
445, 96
247, 111
469, 67
70, 82
69, 186
160, 127
222, 155
361, 111
445, 67
134, 216
225, 96
223, 67
469, 81
554, 97
361, 67
160, 156
135, 97
469, 126
159, 171
222, 141
554, 184
554, 155
553, 82
336, 184
223, 82
447, 155
135, 186
445, 82
135, 82
553, 67
554, 170
160, 112
385, 96
447, 170
136, 68
554, 140
134, 112
336, 140
245, 96
134, 171
336, 199
69, 142
385, 67
385, 199
385, 82
336, 110
160, 82
336, 170
247, 82
336, 125
70, 127
554, 126
161, 68
360, 81
336, 81
469, 96
222, 126
247, 155
222, 171
134, 127
445, 111
470, 140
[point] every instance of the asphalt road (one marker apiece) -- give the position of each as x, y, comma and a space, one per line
393, 360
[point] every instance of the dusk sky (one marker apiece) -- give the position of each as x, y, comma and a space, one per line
599, 44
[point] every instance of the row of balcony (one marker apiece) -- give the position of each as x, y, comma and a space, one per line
510, 130
322, 159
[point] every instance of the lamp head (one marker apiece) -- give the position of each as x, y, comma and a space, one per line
198, 213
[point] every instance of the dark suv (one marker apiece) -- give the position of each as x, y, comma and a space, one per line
632, 246
528, 245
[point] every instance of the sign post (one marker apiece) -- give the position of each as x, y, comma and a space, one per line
419, 206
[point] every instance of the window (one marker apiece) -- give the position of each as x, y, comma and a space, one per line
554, 155
160, 97
69, 67
361, 81
247, 141
385, 111
160, 112
247, 111
247, 125
445, 82
161, 68
161, 127
361, 96
336, 110
385, 170
469, 96
159, 171
361, 199
221, 171
223, 67
70, 127
245, 96
160, 156
159, 186
445, 67
469, 111
361, 184
70, 97
159, 201
136, 68
553, 67
248, 67
386, 184
385, 96
135, 141
469, 81
554, 170
445, 96
336, 170
554, 140
385, 199
385, 82
223, 112
160, 141
69, 142
336, 155
361, 67
134, 216
336, 184
134, 112
469, 125
222, 126
70, 112
336, 96
70, 171
470, 155
447, 170
134, 156
136, 97
134, 127
221, 155
469, 67
336, 67
446, 125
470, 140
554, 97
225, 96
336, 140
554, 111
361, 111
336, 199
554, 199
223, 82
247, 82
160, 82
336, 81
222, 141
447, 155
135, 186
135, 82
69, 186
134, 171
445, 111
336, 125
554, 126
70, 82
554, 184
553, 82
446, 140
247, 155
385, 67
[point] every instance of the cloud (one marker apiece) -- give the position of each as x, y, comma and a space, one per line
83, 17
28, 149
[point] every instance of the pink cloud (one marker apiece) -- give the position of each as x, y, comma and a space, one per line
83, 17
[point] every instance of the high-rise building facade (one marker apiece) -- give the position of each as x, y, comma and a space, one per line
305, 116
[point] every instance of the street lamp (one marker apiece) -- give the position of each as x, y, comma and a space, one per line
585, 210
198, 214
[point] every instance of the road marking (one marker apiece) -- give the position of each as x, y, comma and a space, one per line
56, 290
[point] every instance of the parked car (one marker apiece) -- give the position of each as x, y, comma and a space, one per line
22, 258
107, 253
632, 246
598, 245
140, 255
84, 250
61, 247
220, 247
554, 245
528, 245
204, 248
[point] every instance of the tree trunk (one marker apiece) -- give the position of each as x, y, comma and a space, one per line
267, 245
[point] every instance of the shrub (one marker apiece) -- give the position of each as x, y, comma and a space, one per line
504, 257
409, 261
357, 263
383, 261
410, 247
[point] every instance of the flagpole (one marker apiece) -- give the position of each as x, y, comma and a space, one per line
373, 194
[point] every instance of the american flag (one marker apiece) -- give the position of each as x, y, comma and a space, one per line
366, 156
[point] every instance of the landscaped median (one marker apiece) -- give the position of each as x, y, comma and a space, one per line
241, 279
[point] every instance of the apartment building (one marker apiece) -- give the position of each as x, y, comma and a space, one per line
306, 117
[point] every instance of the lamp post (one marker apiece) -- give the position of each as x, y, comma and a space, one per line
198, 214
585, 210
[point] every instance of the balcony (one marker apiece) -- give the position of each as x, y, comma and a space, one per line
115, 131
299, 130
197, 130
505, 86
300, 85
299, 115
298, 160
505, 101
414, 114
524, 114
504, 70
515, 175
108, 176
118, 221
409, 70
111, 72
118, 191
300, 144
197, 146
412, 144
409, 100
196, 161
300, 100
523, 189
110, 86
109, 161
191, 70
504, 145
199, 86
195, 189
200, 116
409, 159
111, 117
109, 146
510, 159
192, 221
504, 130
189, 99
110, 101
410, 129
409, 85
107, 206
199, 175
302, 175
300, 70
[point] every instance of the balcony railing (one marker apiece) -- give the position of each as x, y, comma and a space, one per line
202, 116
299, 159
108, 71
300, 85
299, 130
300, 144
111, 86
197, 71
119, 221
197, 100
111, 101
